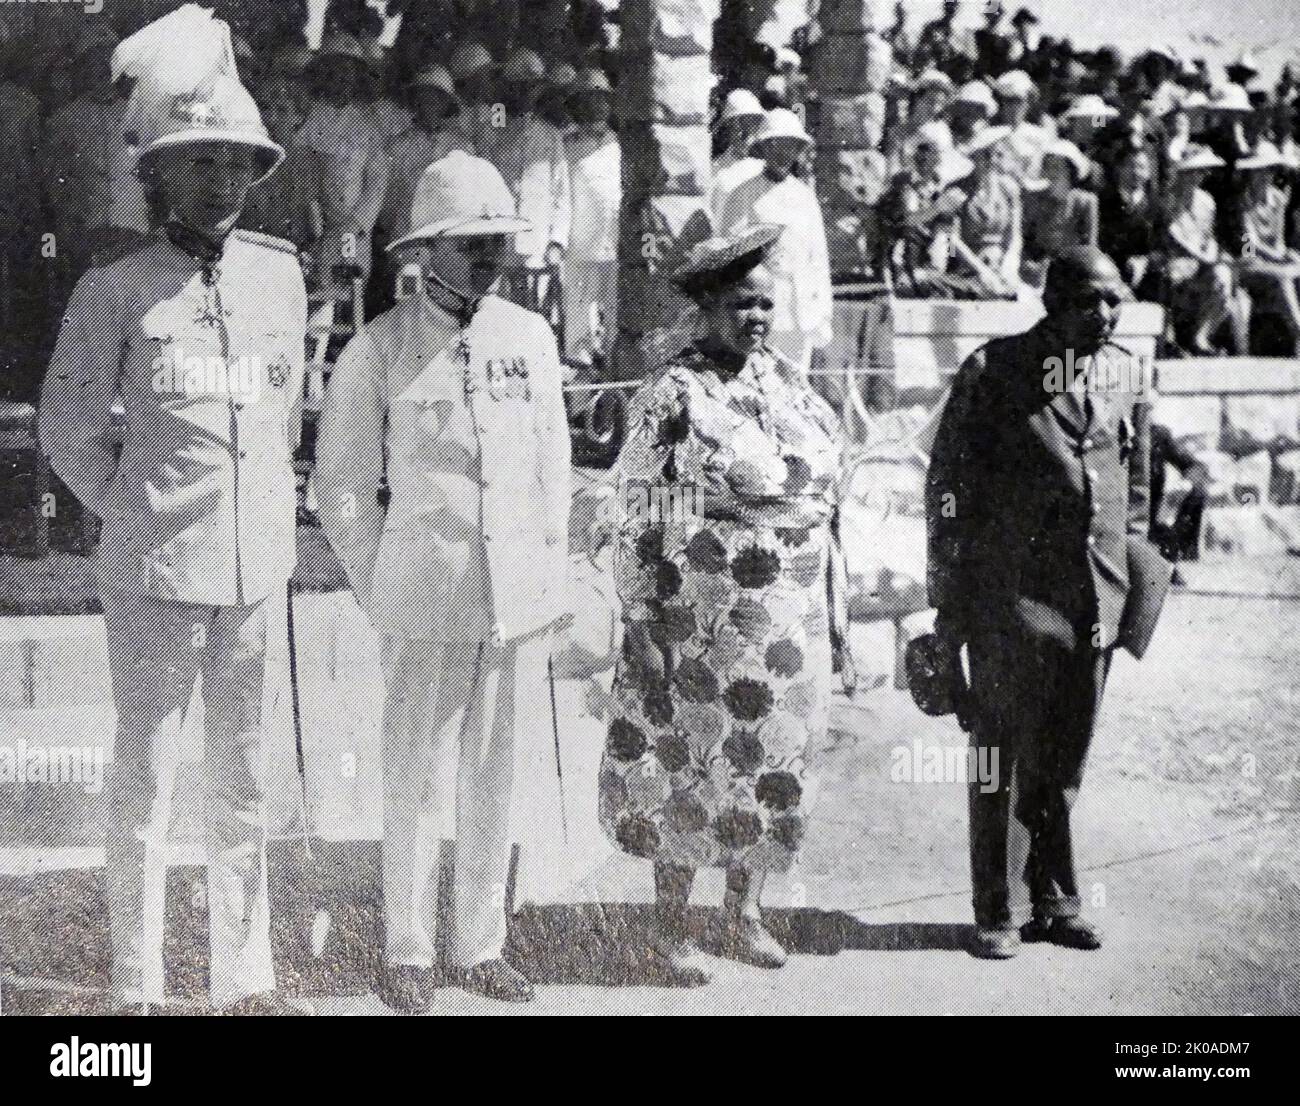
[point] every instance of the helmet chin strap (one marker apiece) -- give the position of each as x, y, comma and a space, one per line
468, 301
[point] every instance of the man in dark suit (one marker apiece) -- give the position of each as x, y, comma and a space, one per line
1038, 483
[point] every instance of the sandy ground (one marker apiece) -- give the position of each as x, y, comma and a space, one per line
1187, 833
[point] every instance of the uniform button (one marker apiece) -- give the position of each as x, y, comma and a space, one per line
1092, 475
1092, 539
1087, 443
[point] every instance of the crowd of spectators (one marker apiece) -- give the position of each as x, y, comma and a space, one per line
1005, 146
1001, 146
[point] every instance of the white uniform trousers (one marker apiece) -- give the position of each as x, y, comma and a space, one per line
453, 716
157, 648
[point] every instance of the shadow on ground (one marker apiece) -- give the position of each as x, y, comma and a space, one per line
54, 928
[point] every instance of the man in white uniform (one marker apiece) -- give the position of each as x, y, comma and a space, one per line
443, 480
200, 333
800, 263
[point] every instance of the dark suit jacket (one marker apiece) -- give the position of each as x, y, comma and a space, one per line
1033, 495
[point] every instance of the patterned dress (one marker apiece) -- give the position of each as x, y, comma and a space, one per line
728, 482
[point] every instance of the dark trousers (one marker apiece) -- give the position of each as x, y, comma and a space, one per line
1035, 703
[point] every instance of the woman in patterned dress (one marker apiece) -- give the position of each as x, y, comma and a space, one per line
728, 485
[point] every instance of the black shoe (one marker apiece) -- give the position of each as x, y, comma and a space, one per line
1070, 933
267, 1004
408, 989
994, 944
497, 979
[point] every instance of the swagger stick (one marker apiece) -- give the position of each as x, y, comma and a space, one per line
297, 717
555, 730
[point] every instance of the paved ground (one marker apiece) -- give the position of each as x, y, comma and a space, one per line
1187, 826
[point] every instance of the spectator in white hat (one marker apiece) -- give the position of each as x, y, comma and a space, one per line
799, 261
591, 266
529, 152
1203, 289
443, 480
972, 110
553, 101
433, 134
351, 147
474, 72
988, 243
932, 93
1058, 214
738, 122
1026, 140
1269, 267
1085, 118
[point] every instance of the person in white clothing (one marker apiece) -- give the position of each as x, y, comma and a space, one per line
443, 480
739, 120
591, 268
351, 153
799, 262
199, 333
529, 153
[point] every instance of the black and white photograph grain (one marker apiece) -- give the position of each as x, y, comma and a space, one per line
719, 508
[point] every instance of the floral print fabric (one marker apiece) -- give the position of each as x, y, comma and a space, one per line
704, 765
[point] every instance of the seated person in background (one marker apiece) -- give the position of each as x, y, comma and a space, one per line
1026, 141
987, 244
1084, 121
1203, 289
1269, 269
1129, 220
918, 213
1058, 214
927, 108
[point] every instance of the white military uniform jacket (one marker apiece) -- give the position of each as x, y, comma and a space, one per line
207, 361
474, 543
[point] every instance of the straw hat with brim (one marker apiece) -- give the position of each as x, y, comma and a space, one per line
987, 138
1063, 150
461, 196
714, 260
1090, 106
781, 123
1266, 156
433, 76
1197, 157
225, 113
